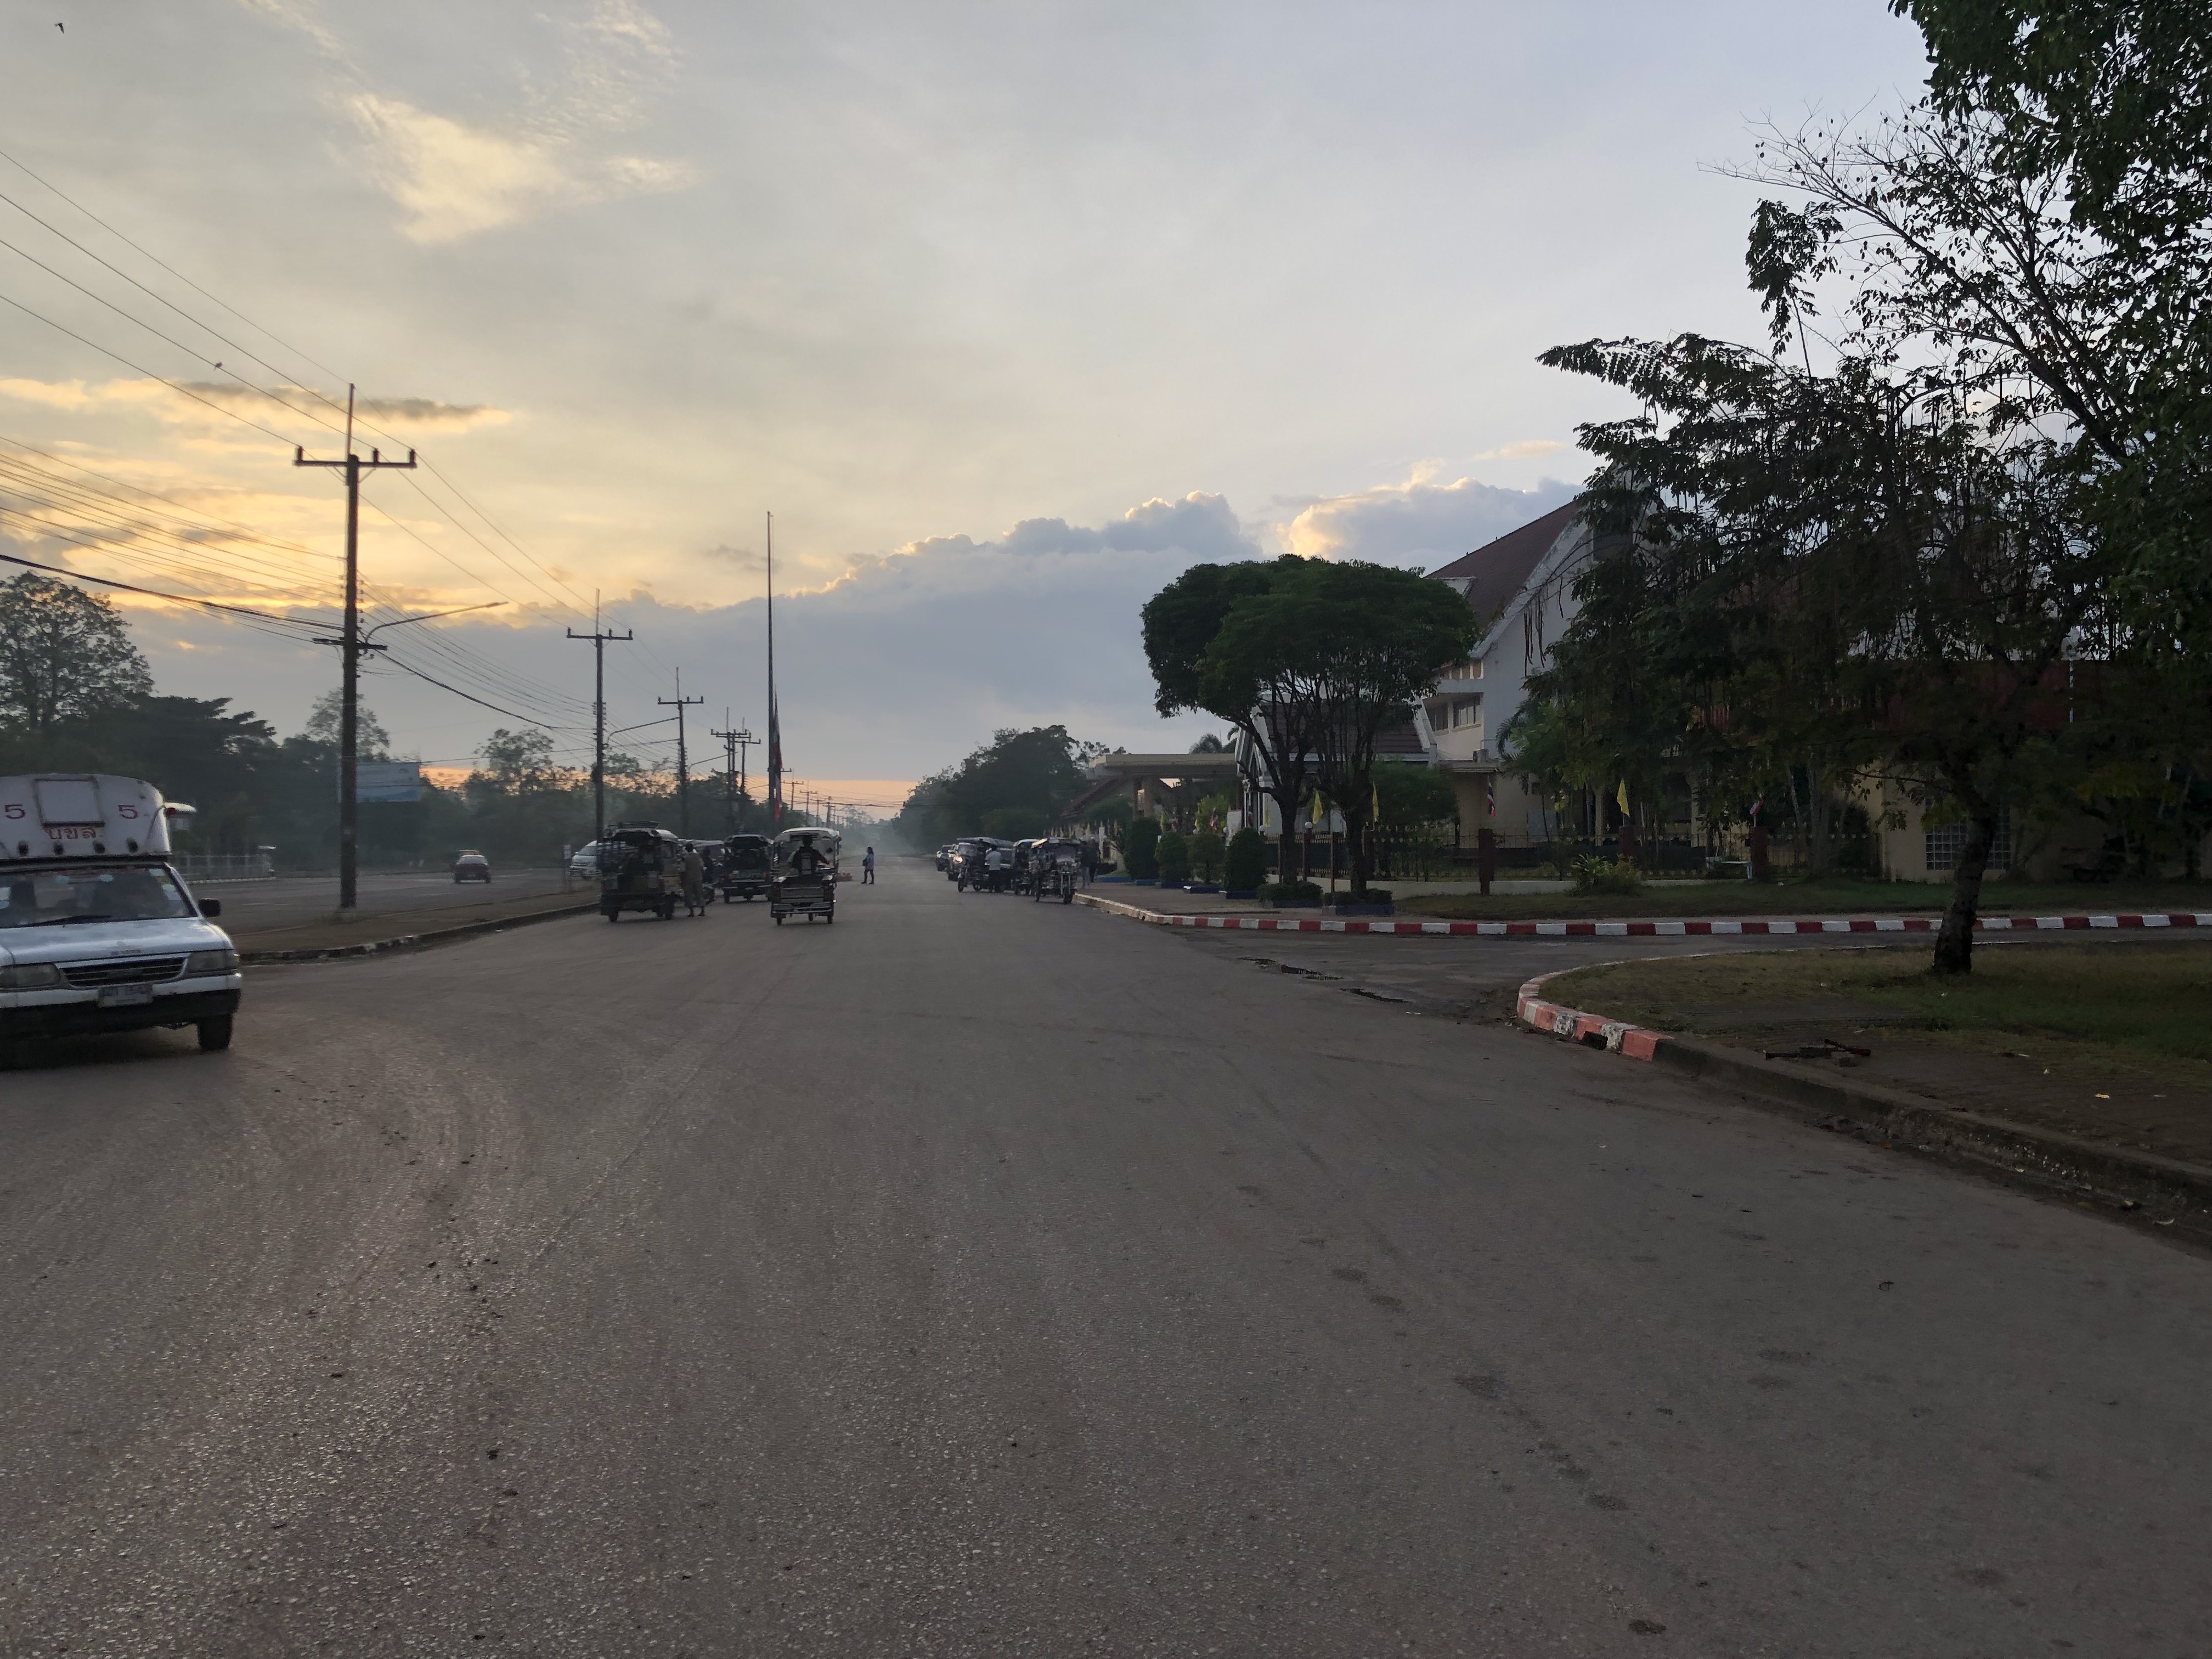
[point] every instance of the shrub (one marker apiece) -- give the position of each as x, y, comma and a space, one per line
1291, 890
1246, 864
1206, 850
1597, 875
1141, 853
1173, 857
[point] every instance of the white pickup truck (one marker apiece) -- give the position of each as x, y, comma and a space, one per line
97, 933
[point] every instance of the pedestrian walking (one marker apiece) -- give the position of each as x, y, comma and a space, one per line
868, 868
695, 882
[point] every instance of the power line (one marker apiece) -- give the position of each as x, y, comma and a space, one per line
132, 587
165, 266
429, 498
140, 369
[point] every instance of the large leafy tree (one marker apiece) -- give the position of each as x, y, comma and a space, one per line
1352, 647
1859, 564
1251, 691
64, 654
1016, 781
2039, 231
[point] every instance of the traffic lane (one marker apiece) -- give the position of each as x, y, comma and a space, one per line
980, 1276
286, 901
1468, 977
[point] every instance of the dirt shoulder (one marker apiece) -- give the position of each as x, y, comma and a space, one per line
2109, 1041
1728, 900
334, 929
1813, 898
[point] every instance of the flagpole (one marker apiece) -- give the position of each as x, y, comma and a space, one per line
775, 730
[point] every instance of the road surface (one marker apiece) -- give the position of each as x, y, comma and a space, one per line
979, 1277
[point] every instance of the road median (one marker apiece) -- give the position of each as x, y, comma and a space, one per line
333, 936
2170, 1191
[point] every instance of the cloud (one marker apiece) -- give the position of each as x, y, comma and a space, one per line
1199, 525
1525, 450
173, 402
455, 179
1418, 522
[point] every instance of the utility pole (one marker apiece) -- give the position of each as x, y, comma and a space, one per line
679, 702
733, 740
598, 637
349, 649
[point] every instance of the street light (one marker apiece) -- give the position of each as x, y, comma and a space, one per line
433, 616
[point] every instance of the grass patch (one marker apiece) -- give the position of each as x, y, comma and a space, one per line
1831, 897
2144, 1000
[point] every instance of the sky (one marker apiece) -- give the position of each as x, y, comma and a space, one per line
1008, 312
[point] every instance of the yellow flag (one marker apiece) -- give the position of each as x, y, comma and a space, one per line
1622, 797
1375, 813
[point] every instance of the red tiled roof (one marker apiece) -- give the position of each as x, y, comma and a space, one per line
1493, 574
1400, 740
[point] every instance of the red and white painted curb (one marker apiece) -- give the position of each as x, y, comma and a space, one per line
1573, 1025
1749, 928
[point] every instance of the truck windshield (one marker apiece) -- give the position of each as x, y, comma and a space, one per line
52, 898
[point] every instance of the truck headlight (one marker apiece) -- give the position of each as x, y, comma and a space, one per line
224, 961
30, 977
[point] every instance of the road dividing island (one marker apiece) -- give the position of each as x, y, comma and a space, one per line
1573, 1025
1753, 927
2165, 1192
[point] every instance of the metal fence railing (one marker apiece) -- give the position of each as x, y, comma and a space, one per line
223, 866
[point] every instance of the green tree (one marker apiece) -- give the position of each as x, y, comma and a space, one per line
1414, 797
1140, 849
1353, 646
326, 723
1246, 864
1206, 850
1032, 774
64, 654
2039, 232
1859, 562
1251, 689
1171, 856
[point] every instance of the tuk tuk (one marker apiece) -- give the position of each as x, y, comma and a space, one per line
803, 874
1055, 869
640, 868
744, 871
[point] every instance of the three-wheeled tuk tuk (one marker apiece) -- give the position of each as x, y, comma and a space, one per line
744, 872
803, 876
1054, 869
640, 868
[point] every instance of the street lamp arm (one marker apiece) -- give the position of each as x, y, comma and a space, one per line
433, 616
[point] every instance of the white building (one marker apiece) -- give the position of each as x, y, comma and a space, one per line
1521, 585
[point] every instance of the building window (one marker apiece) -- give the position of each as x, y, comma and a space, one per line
1945, 845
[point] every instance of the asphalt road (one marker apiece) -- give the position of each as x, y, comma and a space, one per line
979, 1277
284, 900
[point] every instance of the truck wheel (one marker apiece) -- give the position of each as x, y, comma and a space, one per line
779, 921
214, 1034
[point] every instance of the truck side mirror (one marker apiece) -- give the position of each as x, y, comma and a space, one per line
210, 908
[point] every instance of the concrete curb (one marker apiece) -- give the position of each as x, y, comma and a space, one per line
1573, 1025
2175, 1191
1754, 928
434, 936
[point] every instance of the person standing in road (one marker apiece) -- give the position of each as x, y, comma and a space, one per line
868, 868
695, 882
